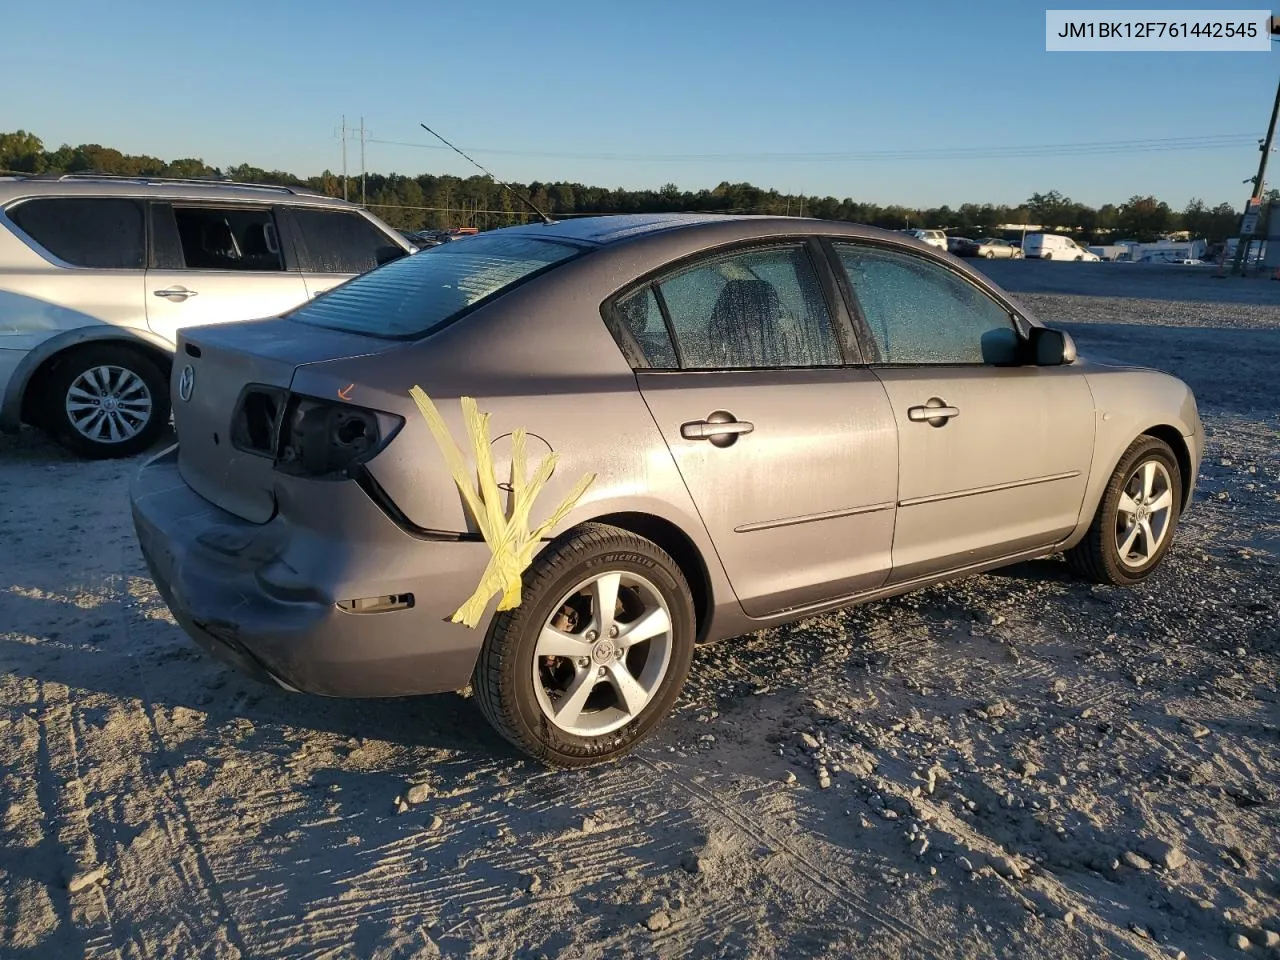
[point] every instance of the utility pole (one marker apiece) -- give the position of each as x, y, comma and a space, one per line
1254, 205
362, 161
344, 156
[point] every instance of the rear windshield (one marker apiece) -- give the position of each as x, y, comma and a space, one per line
414, 295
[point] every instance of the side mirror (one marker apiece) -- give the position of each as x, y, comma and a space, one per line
1047, 347
389, 253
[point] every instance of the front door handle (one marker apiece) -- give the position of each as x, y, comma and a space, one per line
935, 412
721, 428
178, 293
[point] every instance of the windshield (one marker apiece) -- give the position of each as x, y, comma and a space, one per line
415, 295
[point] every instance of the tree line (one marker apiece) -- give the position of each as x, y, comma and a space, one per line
429, 201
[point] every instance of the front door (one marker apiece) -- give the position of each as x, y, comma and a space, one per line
216, 263
992, 458
789, 455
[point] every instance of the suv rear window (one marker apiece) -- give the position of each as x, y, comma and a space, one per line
338, 241
98, 232
410, 297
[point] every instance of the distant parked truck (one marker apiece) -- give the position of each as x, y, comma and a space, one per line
1054, 246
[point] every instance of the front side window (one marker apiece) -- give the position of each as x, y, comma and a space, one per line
338, 241
98, 232
757, 308
226, 238
921, 312
410, 297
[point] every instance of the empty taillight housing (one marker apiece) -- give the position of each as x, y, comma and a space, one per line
324, 440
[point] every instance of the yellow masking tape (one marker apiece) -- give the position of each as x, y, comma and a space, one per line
511, 542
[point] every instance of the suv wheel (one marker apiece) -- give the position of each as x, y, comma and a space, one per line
1133, 528
596, 653
106, 400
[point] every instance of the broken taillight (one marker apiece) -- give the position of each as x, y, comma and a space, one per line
324, 440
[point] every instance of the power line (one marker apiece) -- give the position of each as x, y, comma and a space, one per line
932, 153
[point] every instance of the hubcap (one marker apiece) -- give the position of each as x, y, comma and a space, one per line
603, 654
1145, 513
108, 404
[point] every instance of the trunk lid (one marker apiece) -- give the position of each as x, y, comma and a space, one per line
228, 390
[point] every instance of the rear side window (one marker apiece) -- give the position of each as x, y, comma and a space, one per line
99, 232
220, 238
412, 296
337, 241
759, 308
638, 318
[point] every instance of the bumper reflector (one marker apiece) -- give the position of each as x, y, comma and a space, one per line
397, 601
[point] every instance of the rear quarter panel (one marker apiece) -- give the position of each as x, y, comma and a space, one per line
544, 361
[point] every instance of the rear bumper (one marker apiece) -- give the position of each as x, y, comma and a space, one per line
262, 597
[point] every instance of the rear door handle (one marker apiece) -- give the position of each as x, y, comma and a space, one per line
178, 293
721, 428
935, 412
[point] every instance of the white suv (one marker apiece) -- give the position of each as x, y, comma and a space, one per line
97, 275
935, 238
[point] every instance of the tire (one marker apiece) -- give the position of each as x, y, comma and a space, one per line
141, 409
519, 688
1016, 256
1046, 256
1098, 556
990, 255
1079, 259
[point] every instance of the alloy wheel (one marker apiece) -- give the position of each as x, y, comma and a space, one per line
108, 404
1144, 513
602, 655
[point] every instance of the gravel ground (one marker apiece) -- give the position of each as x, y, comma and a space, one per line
1018, 764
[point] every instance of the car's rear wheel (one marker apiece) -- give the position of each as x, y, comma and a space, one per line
1134, 525
596, 653
1046, 255
990, 254
106, 400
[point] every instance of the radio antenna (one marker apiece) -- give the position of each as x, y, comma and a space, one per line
502, 183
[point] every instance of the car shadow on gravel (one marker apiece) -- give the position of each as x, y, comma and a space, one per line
167, 671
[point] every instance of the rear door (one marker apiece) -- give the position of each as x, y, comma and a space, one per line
86, 266
335, 245
992, 458
788, 450
216, 263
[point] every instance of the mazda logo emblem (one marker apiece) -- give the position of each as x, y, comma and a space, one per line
186, 382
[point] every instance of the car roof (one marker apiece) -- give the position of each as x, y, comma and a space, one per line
620, 228
87, 185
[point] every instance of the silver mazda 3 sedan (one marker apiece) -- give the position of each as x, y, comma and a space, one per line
740, 421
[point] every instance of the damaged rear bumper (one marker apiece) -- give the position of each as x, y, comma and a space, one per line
265, 597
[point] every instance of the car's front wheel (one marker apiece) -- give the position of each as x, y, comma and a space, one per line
106, 400
1133, 528
596, 653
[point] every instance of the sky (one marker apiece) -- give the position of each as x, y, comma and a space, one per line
921, 104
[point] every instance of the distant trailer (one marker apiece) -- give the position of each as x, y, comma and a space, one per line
1111, 251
